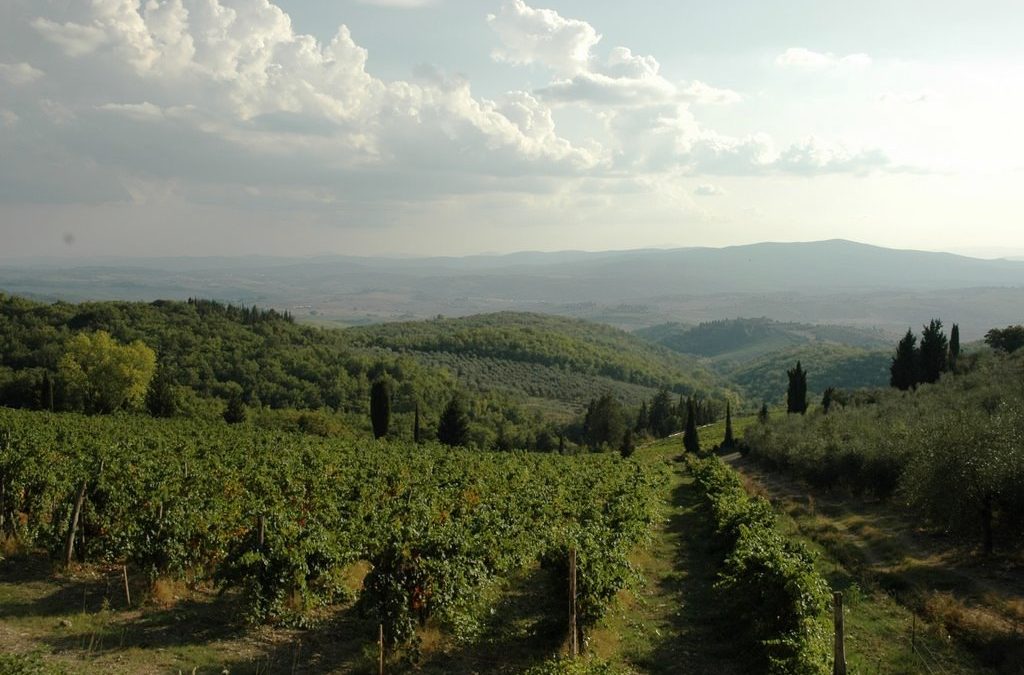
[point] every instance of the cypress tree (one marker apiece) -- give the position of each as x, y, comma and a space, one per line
827, 398
453, 428
762, 415
561, 444
796, 394
661, 419
729, 441
690, 439
903, 370
628, 447
46, 393
416, 424
642, 420
954, 346
380, 407
933, 353
234, 412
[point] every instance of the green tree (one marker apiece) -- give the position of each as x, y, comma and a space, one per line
416, 431
643, 421
729, 441
100, 375
796, 393
691, 441
627, 447
933, 353
904, 368
234, 411
1008, 339
827, 399
161, 399
661, 420
46, 391
453, 427
604, 423
380, 407
954, 346
762, 414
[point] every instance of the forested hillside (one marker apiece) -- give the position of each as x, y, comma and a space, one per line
754, 354
524, 376
545, 356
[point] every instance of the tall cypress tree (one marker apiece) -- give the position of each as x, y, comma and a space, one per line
643, 422
416, 424
903, 370
729, 441
627, 448
954, 346
796, 393
46, 392
762, 415
690, 440
453, 428
380, 407
934, 350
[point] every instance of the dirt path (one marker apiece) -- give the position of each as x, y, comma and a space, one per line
669, 624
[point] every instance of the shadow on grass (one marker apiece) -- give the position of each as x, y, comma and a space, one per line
524, 629
702, 638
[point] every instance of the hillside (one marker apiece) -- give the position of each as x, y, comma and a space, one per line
834, 282
524, 371
740, 340
541, 356
754, 354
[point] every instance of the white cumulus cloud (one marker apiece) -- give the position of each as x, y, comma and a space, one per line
801, 58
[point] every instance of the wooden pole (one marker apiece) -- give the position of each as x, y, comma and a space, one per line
574, 644
69, 548
261, 530
839, 666
380, 644
127, 591
913, 634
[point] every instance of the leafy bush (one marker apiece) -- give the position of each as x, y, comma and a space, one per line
769, 588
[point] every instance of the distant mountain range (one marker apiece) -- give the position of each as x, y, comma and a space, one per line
835, 282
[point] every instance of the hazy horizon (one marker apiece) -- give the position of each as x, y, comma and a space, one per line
451, 127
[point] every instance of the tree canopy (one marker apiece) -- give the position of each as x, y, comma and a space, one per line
104, 375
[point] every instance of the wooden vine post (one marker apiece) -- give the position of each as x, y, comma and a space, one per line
839, 666
574, 645
69, 547
380, 645
127, 590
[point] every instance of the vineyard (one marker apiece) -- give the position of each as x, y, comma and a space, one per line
283, 518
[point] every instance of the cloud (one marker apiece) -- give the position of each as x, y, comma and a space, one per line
169, 90
404, 4
800, 58
812, 156
76, 39
708, 190
18, 74
542, 36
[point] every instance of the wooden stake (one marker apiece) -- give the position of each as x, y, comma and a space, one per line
913, 635
261, 530
127, 591
574, 644
839, 666
69, 548
380, 644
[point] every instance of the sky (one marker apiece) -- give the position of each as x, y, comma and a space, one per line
451, 127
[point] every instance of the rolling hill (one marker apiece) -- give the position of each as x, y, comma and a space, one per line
834, 282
